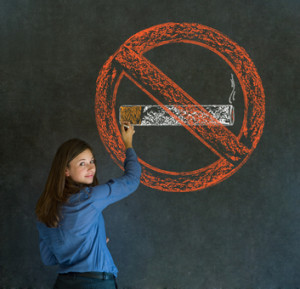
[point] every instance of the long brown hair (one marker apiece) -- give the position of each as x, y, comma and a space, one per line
58, 187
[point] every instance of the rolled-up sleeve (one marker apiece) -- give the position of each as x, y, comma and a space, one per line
119, 188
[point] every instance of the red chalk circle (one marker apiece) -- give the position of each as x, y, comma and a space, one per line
128, 60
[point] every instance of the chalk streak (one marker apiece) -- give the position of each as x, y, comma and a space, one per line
232, 95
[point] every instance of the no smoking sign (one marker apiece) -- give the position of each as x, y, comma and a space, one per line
232, 150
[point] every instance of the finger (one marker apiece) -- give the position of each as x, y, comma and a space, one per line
128, 125
124, 126
125, 123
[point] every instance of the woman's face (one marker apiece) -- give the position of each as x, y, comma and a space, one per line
82, 168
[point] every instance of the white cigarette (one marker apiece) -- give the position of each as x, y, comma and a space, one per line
192, 115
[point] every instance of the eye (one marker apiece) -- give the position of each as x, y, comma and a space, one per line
82, 164
93, 161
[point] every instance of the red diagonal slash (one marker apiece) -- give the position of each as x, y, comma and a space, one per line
160, 87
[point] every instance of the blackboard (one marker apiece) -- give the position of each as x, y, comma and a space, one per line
240, 233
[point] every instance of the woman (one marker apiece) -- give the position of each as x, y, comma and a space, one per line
69, 212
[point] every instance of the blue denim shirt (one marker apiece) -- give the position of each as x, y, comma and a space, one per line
78, 244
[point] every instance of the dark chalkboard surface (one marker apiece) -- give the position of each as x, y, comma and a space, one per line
240, 233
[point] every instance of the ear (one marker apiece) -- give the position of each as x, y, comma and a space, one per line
67, 172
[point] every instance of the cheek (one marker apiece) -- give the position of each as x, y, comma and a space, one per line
81, 170
76, 172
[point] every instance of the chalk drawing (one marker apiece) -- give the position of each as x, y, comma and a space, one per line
232, 95
155, 115
129, 61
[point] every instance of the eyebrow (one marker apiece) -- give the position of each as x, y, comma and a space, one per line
85, 159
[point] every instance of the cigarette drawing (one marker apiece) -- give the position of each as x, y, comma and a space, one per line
155, 115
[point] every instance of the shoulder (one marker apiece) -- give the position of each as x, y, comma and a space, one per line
99, 191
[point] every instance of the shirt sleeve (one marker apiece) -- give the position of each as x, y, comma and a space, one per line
47, 256
119, 188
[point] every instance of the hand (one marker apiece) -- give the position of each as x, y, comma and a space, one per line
127, 131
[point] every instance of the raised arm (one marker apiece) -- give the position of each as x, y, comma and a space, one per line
127, 131
119, 188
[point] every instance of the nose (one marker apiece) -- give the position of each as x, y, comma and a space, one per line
91, 167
